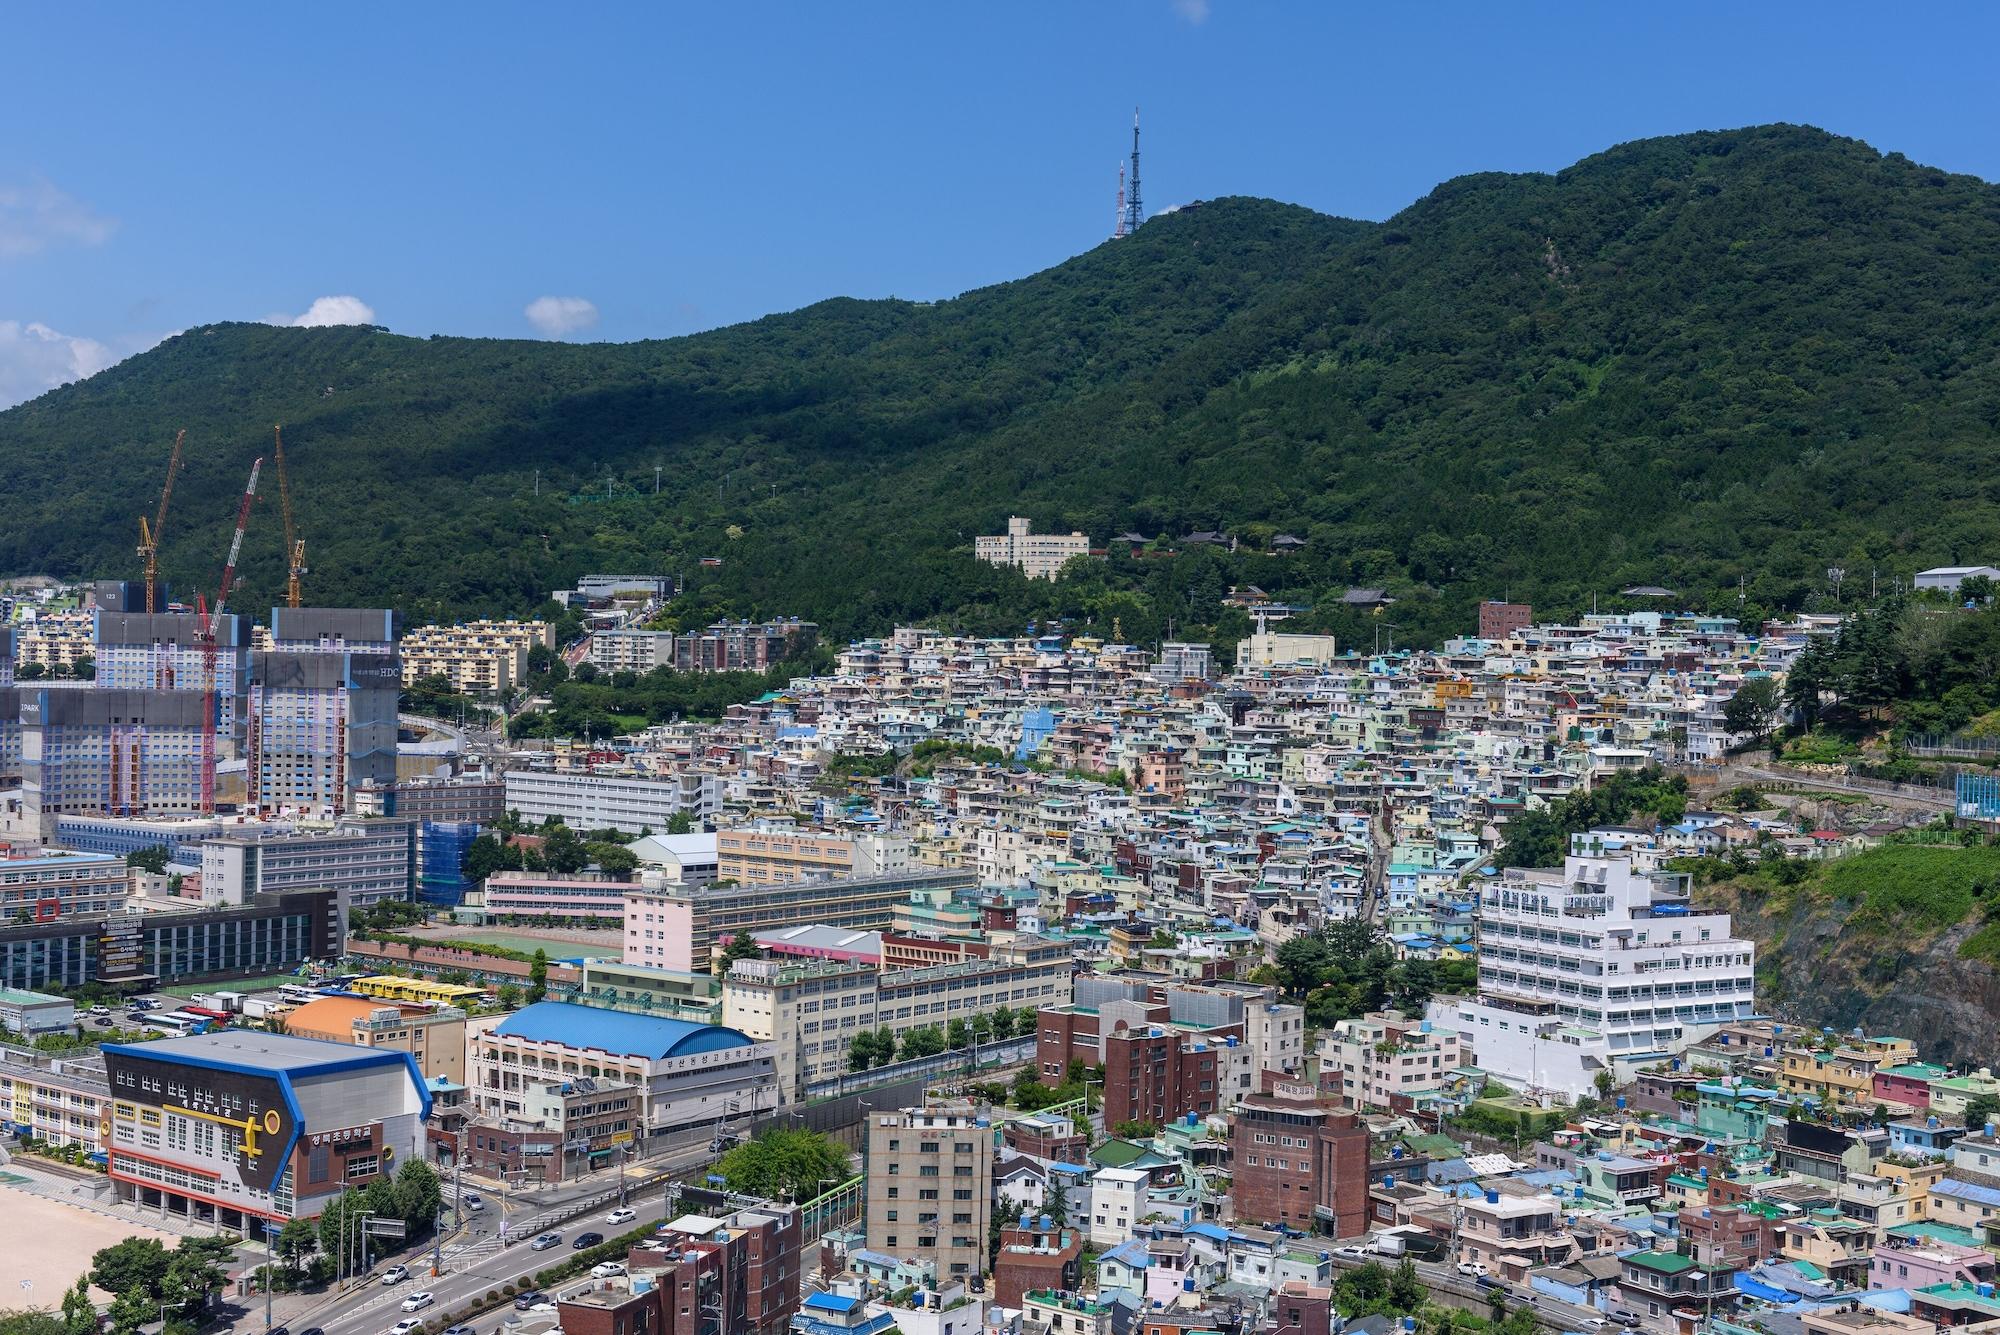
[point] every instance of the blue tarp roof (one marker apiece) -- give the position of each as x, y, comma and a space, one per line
831, 1302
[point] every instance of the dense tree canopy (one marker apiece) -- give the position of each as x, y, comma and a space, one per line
1723, 363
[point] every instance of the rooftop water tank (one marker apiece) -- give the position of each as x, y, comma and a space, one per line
1492, 1197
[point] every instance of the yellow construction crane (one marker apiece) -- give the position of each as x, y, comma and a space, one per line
295, 546
149, 538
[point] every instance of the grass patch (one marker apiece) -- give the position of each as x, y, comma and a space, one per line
1819, 748
1914, 888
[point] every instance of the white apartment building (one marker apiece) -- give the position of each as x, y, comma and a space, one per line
1385, 1055
1593, 967
1036, 555
633, 803
1118, 1201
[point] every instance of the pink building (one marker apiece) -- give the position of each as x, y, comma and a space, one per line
1905, 1266
572, 899
659, 928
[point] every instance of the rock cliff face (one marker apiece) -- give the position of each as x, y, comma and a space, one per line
1815, 969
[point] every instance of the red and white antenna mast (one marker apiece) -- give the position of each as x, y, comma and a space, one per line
1118, 228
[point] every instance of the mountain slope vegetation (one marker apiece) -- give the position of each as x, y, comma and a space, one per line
1717, 362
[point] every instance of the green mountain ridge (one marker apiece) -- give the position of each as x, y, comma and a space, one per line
1718, 362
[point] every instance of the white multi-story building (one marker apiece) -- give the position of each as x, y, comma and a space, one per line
1596, 967
633, 803
1036, 555
1386, 1055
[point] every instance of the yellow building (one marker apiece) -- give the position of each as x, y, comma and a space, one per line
434, 1035
1844, 1075
479, 657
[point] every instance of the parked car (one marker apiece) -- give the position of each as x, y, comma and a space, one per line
585, 1240
606, 1269
1472, 1267
395, 1274
1624, 1317
419, 1300
522, 1302
621, 1216
544, 1241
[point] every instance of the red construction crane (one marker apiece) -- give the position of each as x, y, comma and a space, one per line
208, 627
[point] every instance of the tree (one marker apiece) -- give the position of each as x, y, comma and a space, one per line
1406, 1288
152, 859
1754, 706
1981, 1109
538, 976
742, 946
926, 1040
33, 1321
957, 1034
1136, 1129
136, 1264
1003, 1023
416, 1195
785, 1163
510, 996
1809, 678
681, 822
563, 853
613, 859
79, 1313
295, 1241
1055, 1204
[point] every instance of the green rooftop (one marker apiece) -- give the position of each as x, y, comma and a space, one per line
1667, 1263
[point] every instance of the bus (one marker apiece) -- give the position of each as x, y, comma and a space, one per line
298, 995
174, 1022
216, 1018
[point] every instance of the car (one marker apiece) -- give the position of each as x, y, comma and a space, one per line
1594, 1323
1472, 1267
407, 1326
544, 1241
467, 1329
471, 1201
313, 1330
1624, 1318
100, 1010
1350, 1250
419, 1300
395, 1274
102, 1023
606, 1269
522, 1302
621, 1216
584, 1240
1488, 1282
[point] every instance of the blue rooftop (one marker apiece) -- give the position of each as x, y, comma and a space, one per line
617, 1032
831, 1302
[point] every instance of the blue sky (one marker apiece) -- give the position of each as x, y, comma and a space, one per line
659, 169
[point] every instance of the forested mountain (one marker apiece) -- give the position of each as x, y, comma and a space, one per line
1718, 362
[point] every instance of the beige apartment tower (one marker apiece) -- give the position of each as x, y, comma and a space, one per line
930, 1181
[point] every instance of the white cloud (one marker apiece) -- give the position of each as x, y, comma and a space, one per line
328, 311
35, 358
36, 216
556, 316
1194, 11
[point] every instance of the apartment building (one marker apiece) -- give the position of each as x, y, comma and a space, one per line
1510, 1233
1499, 621
679, 927
330, 630
322, 725
930, 1174
56, 641
726, 646
1620, 961
1182, 661
811, 1009
270, 934
1036, 555
162, 651
365, 861
595, 800
478, 658
1386, 1059
766, 854
94, 752
1270, 649
42, 885
433, 1035
1298, 1163
736, 1272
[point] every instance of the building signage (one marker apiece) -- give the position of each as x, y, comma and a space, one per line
347, 1135
253, 1123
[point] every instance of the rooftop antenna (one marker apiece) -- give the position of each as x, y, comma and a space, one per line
1118, 223
1135, 213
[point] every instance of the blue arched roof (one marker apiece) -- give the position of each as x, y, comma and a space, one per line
620, 1033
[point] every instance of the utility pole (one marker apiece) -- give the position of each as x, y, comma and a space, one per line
538, 482
270, 1269
656, 479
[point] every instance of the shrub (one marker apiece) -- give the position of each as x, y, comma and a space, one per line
493, 1295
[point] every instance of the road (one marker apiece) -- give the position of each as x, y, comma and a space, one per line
475, 1263
1443, 1277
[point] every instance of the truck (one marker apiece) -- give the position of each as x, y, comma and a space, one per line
230, 1003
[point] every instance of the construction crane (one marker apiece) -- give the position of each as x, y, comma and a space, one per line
295, 547
208, 629
149, 538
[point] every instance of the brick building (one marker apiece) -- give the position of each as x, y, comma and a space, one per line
1299, 1163
1156, 1074
1302, 1309
1036, 1255
738, 1274
1499, 620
